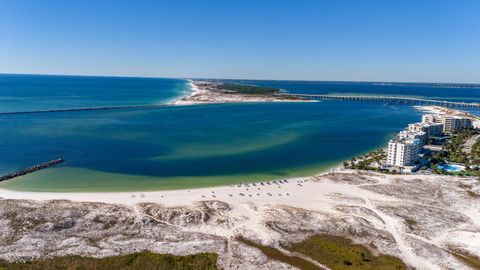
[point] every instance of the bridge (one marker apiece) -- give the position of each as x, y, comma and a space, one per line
390, 99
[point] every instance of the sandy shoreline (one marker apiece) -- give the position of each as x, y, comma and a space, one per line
289, 189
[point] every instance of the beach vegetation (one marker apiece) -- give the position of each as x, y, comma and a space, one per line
473, 194
339, 253
453, 151
468, 259
475, 153
371, 161
276, 254
141, 260
253, 90
335, 252
410, 222
247, 89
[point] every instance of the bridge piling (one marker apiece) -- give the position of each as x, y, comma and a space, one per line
390, 99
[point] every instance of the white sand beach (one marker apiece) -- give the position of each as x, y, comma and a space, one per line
385, 202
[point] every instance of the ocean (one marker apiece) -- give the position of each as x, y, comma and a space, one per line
181, 146
40, 92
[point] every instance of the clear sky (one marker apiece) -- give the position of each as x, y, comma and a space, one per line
361, 40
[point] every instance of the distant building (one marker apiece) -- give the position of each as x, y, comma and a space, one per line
452, 124
434, 129
412, 135
403, 151
431, 118
431, 129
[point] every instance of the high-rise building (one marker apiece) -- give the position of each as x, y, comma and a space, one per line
413, 134
431, 118
403, 152
431, 129
452, 124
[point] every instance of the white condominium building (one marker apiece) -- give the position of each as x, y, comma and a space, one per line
403, 152
452, 124
431, 118
412, 135
430, 129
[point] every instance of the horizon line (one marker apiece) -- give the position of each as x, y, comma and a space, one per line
241, 79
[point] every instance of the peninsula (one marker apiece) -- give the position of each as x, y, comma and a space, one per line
208, 92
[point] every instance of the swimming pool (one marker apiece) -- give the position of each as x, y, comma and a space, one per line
451, 167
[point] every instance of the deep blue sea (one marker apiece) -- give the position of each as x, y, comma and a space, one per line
40, 92
183, 146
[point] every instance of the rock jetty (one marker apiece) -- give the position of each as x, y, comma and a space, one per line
31, 169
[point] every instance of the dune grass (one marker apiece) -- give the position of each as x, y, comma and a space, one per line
339, 253
142, 260
466, 258
276, 254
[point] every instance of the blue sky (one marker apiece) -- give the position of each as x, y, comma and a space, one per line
361, 40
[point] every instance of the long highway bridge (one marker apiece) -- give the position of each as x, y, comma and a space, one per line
390, 99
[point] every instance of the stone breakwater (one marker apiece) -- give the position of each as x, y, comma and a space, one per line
31, 169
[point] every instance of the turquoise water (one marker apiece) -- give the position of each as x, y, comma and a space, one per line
451, 167
175, 147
